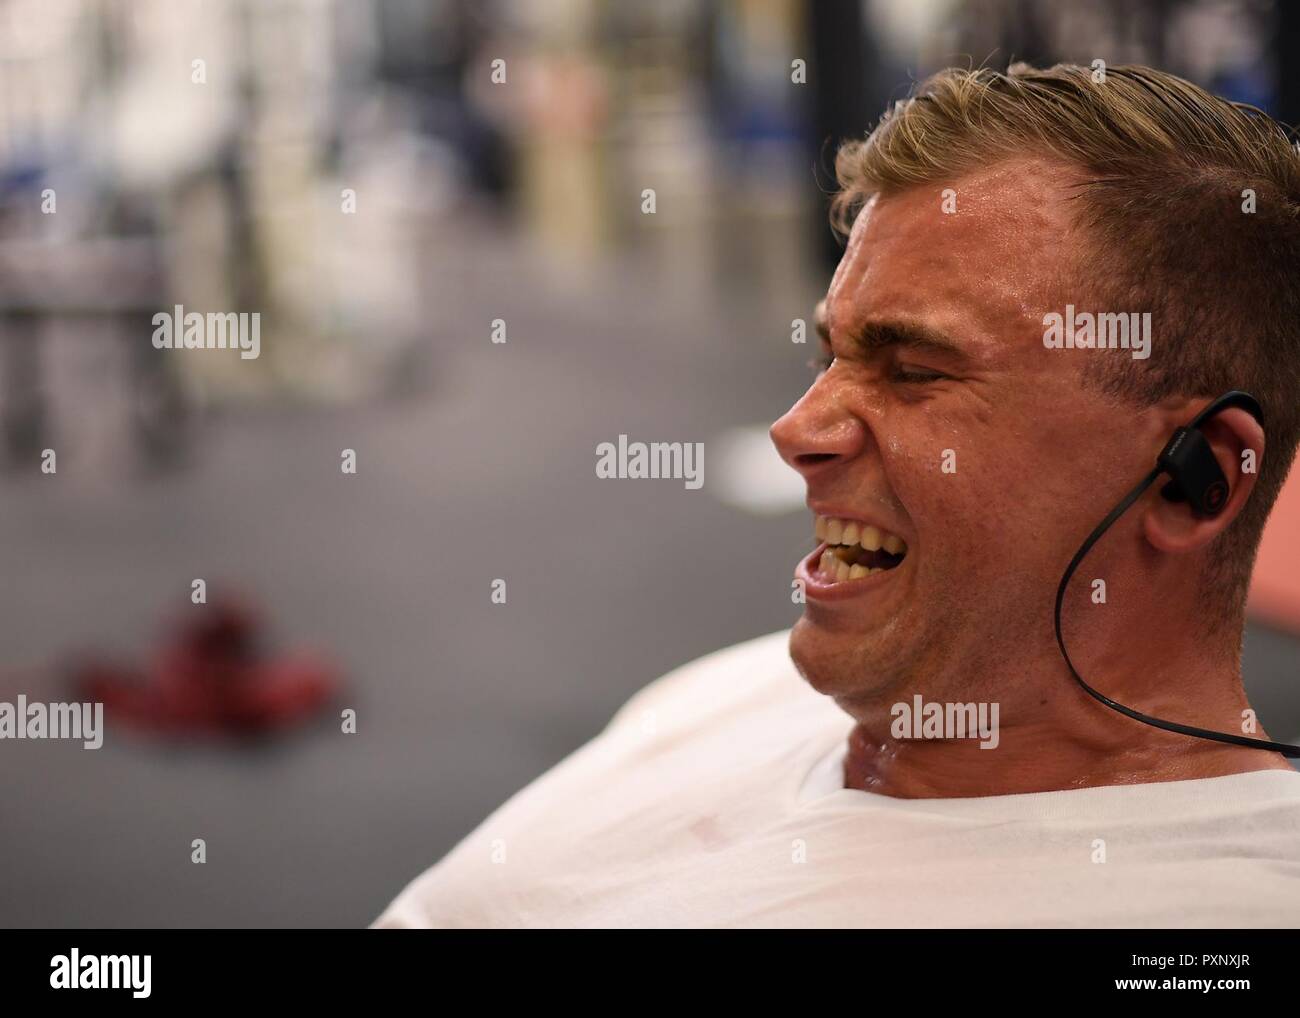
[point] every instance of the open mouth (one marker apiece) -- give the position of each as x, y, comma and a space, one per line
855, 550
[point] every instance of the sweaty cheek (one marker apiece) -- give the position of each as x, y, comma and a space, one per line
952, 496
919, 460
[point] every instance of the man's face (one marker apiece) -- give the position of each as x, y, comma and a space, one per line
945, 422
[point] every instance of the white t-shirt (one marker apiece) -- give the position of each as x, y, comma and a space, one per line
714, 798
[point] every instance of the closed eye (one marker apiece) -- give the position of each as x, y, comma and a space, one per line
904, 374
914, 375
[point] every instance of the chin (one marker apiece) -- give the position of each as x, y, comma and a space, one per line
835, 664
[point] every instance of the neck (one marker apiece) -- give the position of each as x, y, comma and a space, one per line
1051, 735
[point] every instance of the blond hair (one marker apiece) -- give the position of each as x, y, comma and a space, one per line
1167, 175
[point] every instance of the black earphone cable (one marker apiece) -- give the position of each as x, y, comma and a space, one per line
1169, 726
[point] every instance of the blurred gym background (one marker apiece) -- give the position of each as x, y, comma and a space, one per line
351, 170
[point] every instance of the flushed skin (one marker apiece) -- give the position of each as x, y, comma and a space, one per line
1039, 458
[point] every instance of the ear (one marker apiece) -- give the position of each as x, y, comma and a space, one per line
1172, 526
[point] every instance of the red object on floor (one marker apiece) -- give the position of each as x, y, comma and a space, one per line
214, 676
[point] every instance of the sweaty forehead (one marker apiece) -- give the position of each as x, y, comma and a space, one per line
980, 257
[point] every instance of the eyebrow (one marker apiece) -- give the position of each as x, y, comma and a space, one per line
881, 335
912, 335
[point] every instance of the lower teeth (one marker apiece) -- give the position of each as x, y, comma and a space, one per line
835, 568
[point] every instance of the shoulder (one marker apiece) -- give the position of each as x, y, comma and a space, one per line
641, 757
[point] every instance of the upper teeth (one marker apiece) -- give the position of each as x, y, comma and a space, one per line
849, 532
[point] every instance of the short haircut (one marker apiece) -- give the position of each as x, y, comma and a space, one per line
1167, 174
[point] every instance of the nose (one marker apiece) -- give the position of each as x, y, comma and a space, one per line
817, 434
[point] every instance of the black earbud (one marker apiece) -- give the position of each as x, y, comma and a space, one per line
1194, 477
1189, 461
